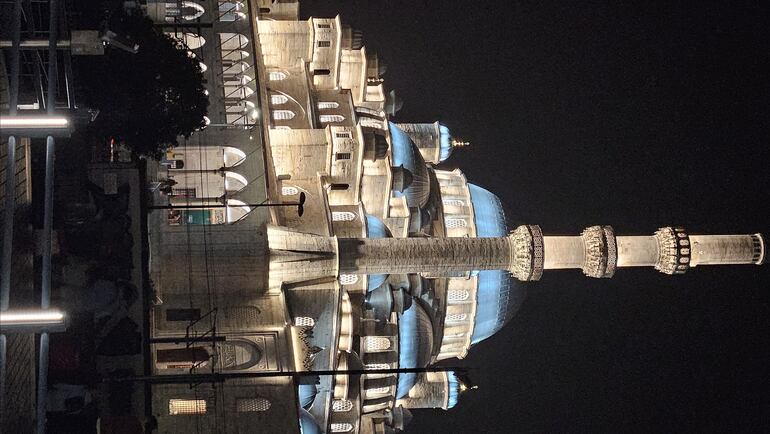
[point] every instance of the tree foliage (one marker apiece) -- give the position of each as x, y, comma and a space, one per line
147, 99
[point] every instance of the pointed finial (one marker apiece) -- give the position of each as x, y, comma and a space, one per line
459, 143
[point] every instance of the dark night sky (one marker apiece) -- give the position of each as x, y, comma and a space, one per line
629, 115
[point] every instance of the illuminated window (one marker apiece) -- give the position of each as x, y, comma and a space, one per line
249, 405
455, 295
331, 118
342, 427
378, 390
454, 317
453, 202
371, 123
343, 216
289, 191
456, 223
278, 99
283, 115
340, 405
304, 321
276, 76
326, 105
376, 343
186, 406
348, 279
324, 44
377, 366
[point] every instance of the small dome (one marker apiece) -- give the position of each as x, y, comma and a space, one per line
375, 281
307, 423
498, 298
455, 388
445, 141
488, 213
402, 178
406, 154
307, 393
415, 345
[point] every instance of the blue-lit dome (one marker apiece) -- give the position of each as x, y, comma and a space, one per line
405, 153
455, 387
375, 228
307, 393
415, 345
498, 298
307, 423
488, 213
445, 141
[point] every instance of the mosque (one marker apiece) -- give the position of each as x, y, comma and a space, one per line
268, 319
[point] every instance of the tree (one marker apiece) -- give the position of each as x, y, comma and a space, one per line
147, 99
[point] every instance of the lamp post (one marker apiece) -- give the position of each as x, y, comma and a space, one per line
299, 204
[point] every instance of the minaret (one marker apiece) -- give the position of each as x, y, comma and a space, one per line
526, 252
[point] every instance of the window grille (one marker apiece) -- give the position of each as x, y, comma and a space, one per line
324, 44
377, 343
342, 134
348, 279
326, 105
324, 26
343, 216
186, 406
331, 118
304, 321
289, 191
456, 295
278, 99
455, 317
277, 76
456, 223
342, 427
342, 156
340, 405
249, 405
283, 115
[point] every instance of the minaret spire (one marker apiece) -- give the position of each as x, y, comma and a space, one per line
526, 252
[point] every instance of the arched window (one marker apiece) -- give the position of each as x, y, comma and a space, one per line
177, 407
289, 191
453, 202
456, 223
278, 99
192, 41
371, 123
331, 118
283, 115
378, 390
343, 216
304, 321
456, 317
376, 343
276, 76
348, 279
456, 295
321, 72
339, 186
376, 366
231, 11
342, 427
341, 405
232, 41
250, 405
326, 105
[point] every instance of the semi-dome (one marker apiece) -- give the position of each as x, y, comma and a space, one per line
415, 345
307, 423
405, 153
488, 213
307, 393
498, 298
